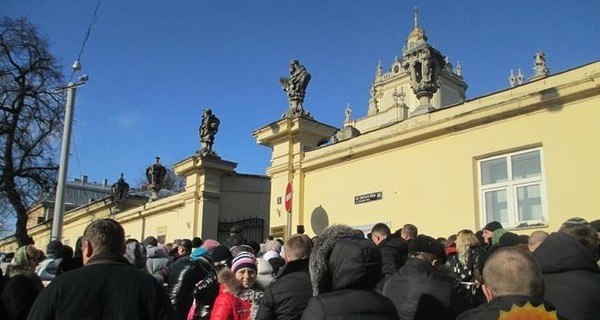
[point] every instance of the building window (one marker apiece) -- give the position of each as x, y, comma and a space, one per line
512, 189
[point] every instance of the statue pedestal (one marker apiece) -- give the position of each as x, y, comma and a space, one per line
424, 104
203, 175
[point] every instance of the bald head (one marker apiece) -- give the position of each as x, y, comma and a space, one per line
512, 271
535, 239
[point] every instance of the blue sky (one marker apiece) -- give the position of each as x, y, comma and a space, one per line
155, 65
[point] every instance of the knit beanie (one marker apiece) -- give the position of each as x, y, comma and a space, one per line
243, 260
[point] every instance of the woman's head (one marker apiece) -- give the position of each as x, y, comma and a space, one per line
26, 259
244, 267
464, 240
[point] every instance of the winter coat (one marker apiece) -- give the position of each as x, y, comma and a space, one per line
394, 252
287, 297
571, 277
420, 291
107, 287
183, 276
491, 310
344, 270
156, 261
18, 294
234, 302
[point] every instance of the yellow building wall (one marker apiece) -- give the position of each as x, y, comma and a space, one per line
433, 183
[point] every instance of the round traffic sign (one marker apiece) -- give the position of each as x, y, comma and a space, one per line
288, 197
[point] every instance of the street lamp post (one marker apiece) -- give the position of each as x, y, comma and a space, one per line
59, 202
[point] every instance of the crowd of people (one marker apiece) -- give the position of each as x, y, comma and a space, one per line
342, 273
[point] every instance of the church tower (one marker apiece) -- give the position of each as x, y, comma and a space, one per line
392, 96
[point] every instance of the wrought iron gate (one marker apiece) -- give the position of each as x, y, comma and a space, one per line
252, 229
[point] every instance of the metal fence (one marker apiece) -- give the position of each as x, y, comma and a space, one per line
252, 229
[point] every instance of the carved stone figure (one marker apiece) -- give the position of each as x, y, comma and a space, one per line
539, 65
295, 87
156, 174
120, 188
208, 130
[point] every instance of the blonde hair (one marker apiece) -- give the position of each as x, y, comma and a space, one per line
465, 240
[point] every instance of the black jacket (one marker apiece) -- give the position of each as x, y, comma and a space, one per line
287, 297
419, 291
394, 252
571, 275
183, 276
107, 287
491, 310
18, 294
344, 270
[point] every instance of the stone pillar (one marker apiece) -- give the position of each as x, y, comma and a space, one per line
288, 138
203, 176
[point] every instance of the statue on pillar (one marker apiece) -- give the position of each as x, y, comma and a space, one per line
295, 87
155, 174
120, 188
424, 64
539, 65
208, 130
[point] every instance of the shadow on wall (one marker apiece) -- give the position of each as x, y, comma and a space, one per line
549, 94
319, 220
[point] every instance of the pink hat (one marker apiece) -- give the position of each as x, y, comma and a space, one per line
210, 244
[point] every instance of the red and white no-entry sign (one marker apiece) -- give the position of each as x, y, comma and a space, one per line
288, 197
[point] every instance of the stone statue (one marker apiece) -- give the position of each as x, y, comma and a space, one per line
120, 188
156, 174
348, 113
539, 65
295, 86
208, 130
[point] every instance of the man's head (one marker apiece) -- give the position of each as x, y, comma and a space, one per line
428, 249
196, 242
488, 230
535, 239
150, 241
512, 271
379, 232
185, 247
53, 248
582, 231
103, 236
409, 231
297, 247
235, 230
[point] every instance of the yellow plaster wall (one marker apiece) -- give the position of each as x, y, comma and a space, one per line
433, 183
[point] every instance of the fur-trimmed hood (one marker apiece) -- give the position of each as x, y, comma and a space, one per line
340, 259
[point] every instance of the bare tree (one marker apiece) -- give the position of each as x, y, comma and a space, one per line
31, 117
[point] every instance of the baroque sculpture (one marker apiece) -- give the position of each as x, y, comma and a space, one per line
120, 189
295, 87
208, 130
424, 64
155, 174
539, 65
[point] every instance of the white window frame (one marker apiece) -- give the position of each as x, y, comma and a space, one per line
511, 185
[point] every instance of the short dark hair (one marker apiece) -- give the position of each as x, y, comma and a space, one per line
410, 230
150, 241
381, 228
105, 235
196, 242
